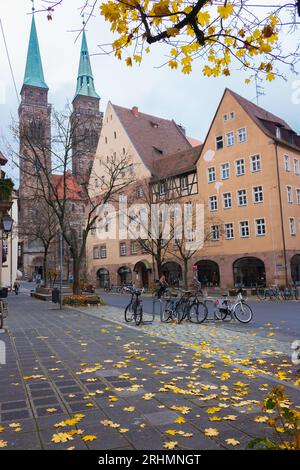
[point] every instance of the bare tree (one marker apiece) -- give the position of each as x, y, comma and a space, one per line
41, 224
45, 165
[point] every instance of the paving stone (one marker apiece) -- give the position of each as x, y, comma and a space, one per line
161, 417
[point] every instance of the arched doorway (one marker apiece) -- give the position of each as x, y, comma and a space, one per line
142, 270
295, 269
249, 272
173, 273
103, 278
208, 272
125, 275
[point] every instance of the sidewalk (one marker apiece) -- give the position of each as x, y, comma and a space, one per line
80, 380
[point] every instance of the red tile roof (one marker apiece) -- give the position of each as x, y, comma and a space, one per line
73, 192
268, 122
152, 137
177, 164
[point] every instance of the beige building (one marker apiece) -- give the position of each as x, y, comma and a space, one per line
146, 140
246, 174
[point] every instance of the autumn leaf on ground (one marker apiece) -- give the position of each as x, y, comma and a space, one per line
170, 445
51, 410
1, 428
61, 437
180, 420
261, 419
211, 432
148, 396
89, 438
129, 409
232, 442
15, 425
3, 444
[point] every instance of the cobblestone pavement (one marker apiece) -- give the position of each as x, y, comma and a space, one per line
84, 380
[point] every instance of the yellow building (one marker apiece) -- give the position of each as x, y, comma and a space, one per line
247, 175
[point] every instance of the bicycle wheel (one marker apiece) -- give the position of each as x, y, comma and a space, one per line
167, 312
138, 315
128, 314
1, 320
179, 312
243, 312
197, 312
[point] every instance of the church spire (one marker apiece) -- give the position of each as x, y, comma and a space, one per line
34, 75
85, 79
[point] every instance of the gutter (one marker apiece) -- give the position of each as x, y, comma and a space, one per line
281, 213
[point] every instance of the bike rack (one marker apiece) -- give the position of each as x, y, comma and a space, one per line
159, 302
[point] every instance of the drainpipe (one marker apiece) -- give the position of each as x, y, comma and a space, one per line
281, 214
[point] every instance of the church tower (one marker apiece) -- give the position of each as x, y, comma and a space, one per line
35, 139
86, 118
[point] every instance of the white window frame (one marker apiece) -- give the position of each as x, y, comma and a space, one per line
215, 201
244, 195
231, 230
123, 252
230, 139
184, 182
252, 163
225, 117
103, 252
242, 132
287, 163
219, 137
227, 170
296, 166
226, 199
292, 226
209, 173
215, 230
239, 165
289, 193
96, 252
298, 196
260, 225
240, 225
261, 192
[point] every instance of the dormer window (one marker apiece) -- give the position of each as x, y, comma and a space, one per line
278, 132
154, 124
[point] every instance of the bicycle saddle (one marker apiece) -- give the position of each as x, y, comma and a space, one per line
137, 292
225, 294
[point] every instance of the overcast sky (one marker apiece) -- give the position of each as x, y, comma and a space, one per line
189, 99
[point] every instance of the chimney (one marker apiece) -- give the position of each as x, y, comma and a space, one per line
135, 111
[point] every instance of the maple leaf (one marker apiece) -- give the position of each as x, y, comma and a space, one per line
3, 444
129, 409
51, 410
211, 432
232, 442
180, 420
61, 437
170, 445
89, 438
15, 425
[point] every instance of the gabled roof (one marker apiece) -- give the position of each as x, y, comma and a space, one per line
34, 75
73, 188
268, 122
177, 164
151, 136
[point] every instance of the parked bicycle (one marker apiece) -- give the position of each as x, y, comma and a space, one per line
226, 309
134, 310
277, 293
3, 306
188, 307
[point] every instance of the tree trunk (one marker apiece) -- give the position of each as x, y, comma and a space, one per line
76, 277
45, 266
185, 273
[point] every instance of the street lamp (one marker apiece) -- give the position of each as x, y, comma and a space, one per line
7, 223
